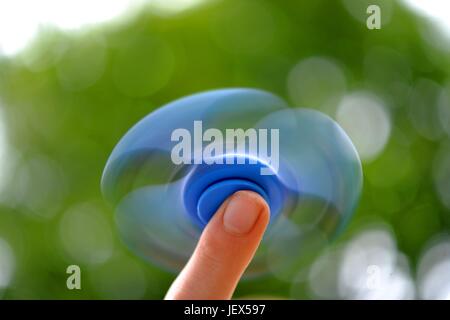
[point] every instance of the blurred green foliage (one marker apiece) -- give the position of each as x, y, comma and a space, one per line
69, 97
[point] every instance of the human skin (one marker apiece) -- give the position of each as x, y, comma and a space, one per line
224, 250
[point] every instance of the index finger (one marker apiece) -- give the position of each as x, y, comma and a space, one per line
225, 249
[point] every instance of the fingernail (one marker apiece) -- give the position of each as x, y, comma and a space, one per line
241, 213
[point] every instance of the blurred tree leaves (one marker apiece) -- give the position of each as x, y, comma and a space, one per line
69, 97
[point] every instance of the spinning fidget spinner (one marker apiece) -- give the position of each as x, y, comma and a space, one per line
170, 172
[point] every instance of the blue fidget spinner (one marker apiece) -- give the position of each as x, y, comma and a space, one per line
170, 172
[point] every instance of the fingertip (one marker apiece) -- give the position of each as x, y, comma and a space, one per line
243, 212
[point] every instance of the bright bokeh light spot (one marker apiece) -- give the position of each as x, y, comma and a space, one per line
433, 275
437, 10
434, 27
365, 119
316, 83
39, 185
6, 264
369, 266
21, 20
372, 269
86, 234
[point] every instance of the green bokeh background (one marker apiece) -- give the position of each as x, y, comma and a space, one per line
69, 97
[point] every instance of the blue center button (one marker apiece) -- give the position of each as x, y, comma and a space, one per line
209, 185
212, 198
